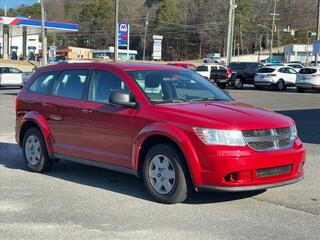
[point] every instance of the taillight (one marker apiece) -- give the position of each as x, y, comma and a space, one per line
17, 102
315, 75
272, 75
228, 73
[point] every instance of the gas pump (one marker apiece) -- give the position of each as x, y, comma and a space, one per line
52, 54
31, 53
13, 53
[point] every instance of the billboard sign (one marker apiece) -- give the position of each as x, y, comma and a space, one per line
157, 47
123, 34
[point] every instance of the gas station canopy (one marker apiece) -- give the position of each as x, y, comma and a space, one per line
20, 26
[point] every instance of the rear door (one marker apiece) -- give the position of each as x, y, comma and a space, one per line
67, 102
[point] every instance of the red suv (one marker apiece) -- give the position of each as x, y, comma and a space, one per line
166, 124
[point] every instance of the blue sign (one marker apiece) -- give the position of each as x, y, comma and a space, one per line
123, 34
316, 47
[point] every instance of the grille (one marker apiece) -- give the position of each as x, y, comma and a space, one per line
269, 139
268, 172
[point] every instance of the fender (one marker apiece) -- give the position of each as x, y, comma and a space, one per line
176, 135
38, 119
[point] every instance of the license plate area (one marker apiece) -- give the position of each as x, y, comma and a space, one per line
275, 171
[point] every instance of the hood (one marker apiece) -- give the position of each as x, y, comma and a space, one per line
225, 115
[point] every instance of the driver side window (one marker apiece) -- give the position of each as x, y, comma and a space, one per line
102, 84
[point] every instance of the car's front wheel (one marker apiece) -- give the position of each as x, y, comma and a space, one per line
238, 83
35, 151
165, 174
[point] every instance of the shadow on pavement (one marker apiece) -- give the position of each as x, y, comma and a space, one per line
308, 124
11, 157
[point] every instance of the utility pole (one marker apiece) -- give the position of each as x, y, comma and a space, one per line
145, 36
43, 34
318, 31
116, 23
230, 31
273, 24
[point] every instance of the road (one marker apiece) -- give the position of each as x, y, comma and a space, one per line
80, 202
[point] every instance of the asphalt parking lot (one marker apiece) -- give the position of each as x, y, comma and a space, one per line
80, 202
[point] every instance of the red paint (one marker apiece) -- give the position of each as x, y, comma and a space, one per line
115, 135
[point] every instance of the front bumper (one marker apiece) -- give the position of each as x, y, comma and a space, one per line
249, 188
238, 169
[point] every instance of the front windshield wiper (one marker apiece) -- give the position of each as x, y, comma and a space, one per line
206, 99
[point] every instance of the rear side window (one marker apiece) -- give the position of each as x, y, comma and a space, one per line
308, 71
202, 68
71, 84
102, 84
266, 70
43, 83
295, 66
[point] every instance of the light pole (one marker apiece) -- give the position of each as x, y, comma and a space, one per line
145, 36
273, 23
43, 34
271, 39
230, 31
116, 3
318, 31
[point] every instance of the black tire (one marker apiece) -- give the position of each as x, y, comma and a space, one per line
300, 90
44, 163
281, 85
258, 87
222, 85
181, 187
205, 61
238, 83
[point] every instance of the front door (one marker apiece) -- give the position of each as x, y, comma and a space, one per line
106, 128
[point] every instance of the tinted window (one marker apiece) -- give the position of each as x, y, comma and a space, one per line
307, 71
238, 65
266, 70
5, 70
43, 83
14, 70
295, 66
102, 84
292, 71
163, 86
71, 84
202, 68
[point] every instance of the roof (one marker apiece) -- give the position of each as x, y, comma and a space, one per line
113, 65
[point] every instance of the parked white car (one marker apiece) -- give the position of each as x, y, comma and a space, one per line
13, 77
212, 59
280, 77
295, 66
308, 78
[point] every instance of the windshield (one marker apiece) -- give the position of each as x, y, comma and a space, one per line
175, 86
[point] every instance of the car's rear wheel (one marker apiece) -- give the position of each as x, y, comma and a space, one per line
281, 85
35, 151
238, 83
300, 90
165, 174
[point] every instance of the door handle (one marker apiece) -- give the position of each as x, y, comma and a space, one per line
87, 110
47, 105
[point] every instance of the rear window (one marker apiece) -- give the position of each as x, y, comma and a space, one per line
266, 70
202, 68
238, 65
43, 84
308, 71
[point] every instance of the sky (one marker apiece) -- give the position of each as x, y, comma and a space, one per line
15, 3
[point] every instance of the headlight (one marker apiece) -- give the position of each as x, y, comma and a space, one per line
294, 132
220, 137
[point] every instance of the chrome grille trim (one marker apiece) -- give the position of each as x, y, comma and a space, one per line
269, 139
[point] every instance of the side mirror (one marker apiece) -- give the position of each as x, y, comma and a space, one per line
121, 98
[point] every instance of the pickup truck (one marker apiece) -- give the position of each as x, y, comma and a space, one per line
243, 73
216, 73
13, 77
